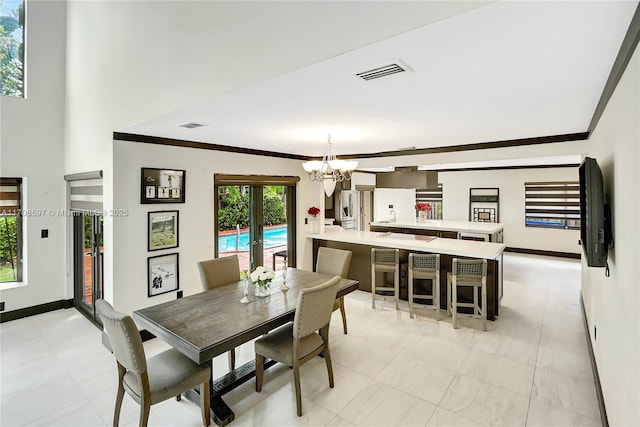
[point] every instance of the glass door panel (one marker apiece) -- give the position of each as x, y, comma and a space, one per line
275, 234
233, 223
252, 223
88, 262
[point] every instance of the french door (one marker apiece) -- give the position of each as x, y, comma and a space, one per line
255, 222
88, 262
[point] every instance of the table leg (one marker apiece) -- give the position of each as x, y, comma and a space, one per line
221, 414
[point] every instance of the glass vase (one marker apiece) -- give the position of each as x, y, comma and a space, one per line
314, 225
423, 216
262, 291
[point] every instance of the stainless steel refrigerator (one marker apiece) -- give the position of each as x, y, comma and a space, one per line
347, 212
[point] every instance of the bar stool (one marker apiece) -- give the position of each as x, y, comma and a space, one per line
473, 273
385, 260
425, 266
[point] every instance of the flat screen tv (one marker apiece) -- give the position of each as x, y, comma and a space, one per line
594, 218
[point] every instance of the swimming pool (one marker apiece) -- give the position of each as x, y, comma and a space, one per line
275, 236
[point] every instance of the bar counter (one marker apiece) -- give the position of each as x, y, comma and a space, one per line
452, 229
361, 242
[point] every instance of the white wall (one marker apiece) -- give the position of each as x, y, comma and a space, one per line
455, 204
129, 286
403, 201
32, 147
613, 303
129, 61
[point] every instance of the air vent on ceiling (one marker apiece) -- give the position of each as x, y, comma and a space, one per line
384, 71
191, 125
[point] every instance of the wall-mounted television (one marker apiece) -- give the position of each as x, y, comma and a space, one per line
595, 229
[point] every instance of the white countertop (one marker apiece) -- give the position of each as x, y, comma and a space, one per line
459, 226
454, 247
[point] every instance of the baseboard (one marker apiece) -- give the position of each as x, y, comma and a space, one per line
542, 252
36, 309
594, 368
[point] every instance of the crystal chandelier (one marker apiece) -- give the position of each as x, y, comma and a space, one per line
329, 170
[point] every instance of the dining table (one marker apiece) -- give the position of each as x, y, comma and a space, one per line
206, 324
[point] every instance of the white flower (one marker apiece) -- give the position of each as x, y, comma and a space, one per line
262, 275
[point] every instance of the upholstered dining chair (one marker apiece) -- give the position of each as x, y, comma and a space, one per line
296, 343
218, 272
152, 381
336, 263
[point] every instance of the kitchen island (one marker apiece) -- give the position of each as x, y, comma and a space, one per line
491, 232
361, 242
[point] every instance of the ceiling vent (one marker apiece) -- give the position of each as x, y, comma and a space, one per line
191, 125
384, 71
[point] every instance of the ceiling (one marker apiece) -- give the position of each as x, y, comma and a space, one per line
477, 72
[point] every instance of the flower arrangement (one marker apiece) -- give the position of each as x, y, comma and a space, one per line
313, 211
423, 207
262, 276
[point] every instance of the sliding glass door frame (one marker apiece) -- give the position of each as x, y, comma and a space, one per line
96, 260
256, 184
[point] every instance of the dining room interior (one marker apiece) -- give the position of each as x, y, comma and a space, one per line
149, 139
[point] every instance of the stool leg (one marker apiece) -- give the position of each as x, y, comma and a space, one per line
373, 286
484, 307
476, 306
448, 296
396, 286
410, 282
435, 288
454, 304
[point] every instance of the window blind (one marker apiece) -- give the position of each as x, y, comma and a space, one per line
10, 196
85, 191
433, 196
552, 204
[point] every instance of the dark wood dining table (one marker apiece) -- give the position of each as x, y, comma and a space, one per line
207, 324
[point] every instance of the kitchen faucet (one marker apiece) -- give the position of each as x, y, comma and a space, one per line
392, 212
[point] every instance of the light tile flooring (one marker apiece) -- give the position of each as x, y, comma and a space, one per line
531, 368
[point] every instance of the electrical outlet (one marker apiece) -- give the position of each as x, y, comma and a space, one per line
2, 306
390, 206
179, 294
595, 332
44, 233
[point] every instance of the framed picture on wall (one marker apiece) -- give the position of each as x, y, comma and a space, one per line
162, 185
162, 230
162, 274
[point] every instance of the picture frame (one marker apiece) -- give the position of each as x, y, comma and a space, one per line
162, 230
162, 274
161, 185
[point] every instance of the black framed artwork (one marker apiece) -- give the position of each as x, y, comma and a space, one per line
162, 274
162, 185
162, 230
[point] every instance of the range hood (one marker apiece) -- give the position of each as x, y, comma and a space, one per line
407, 177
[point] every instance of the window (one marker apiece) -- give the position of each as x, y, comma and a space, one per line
432, 196
10, 230
552, 204
12, 48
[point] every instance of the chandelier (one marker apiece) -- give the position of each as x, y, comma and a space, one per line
329, 170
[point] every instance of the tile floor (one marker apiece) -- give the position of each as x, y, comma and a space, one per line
531, 368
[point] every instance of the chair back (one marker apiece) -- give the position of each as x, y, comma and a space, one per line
333, 261
424, 266
219, 272
314, 308
385, 259
124, 338
469, 270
